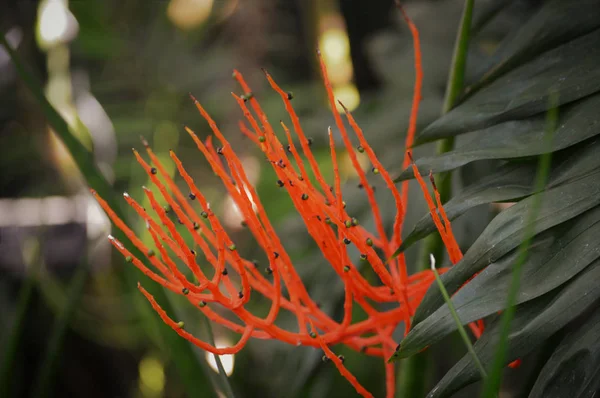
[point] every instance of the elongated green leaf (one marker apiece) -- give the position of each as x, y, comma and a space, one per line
511, 182
573, 370
534, 322
518, 138
545, 30
571, 71
555, 256
505, 232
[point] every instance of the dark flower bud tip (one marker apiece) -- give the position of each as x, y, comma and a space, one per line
185, 291
153, 170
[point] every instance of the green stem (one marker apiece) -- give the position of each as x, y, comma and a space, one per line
413, 370
461, 329
227, 390
492, 385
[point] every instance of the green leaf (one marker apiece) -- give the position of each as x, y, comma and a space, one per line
534, 322
571, 71
555, 257
573, 369
505, 232
517, 138
513, 181
546, 29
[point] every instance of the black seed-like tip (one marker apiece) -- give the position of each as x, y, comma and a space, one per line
185, 291
347, 241
224, 272
304, 196
153, 170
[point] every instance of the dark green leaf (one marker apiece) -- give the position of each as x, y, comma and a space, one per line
555, 256
534, 322
505, 232
513, 181
518, 138
571, 71
573, 369
545, 30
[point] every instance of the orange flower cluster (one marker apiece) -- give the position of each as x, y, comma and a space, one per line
323, 211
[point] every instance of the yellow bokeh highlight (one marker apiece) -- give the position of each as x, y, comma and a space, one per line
348, 94
152, 377
188, 14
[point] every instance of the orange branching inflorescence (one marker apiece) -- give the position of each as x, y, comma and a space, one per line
321, 206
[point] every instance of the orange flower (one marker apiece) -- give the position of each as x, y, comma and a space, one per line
323, 211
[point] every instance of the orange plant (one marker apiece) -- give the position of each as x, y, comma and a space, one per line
323, 211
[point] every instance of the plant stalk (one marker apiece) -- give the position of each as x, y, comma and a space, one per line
416, 367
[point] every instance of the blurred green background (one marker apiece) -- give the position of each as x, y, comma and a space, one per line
72, 321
